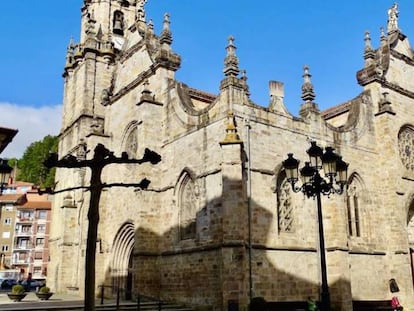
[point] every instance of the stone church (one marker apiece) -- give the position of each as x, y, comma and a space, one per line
219, 223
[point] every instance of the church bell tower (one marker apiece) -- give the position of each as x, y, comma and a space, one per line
90, 66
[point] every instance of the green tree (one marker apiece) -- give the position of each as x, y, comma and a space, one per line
31, 168
13, 162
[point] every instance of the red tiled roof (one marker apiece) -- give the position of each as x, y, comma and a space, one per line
37, 205
336, 110
11, 198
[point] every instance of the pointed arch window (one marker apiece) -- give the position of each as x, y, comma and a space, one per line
285, 210
187, 201
131, 144
354, 206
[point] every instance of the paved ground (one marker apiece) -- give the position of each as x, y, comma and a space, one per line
31, 299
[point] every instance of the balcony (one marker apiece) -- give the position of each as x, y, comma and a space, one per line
24, 219
23, 232
20, 262
23, 247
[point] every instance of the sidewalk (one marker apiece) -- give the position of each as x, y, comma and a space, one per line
32, 300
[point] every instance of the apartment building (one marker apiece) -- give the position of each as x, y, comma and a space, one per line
9, 203
24, 228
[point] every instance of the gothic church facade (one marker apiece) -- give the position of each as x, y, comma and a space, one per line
186, 238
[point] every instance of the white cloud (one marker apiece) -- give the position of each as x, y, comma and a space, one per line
33, 123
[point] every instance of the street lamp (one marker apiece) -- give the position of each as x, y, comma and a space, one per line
5, 170
313, 185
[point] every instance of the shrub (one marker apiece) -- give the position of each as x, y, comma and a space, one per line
17, 289
44, 289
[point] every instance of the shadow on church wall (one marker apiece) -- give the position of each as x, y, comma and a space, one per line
213, 269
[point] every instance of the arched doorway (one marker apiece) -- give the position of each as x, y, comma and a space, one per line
121, 267
410, 231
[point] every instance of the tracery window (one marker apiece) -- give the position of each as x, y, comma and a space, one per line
188, 208
354, 207
285, 210
131, 146
406, 147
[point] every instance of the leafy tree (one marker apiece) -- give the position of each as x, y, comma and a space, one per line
12, 162
31, 168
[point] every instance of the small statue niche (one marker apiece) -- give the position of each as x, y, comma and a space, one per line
118, 23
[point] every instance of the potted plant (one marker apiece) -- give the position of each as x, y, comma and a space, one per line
17, 293
44, 293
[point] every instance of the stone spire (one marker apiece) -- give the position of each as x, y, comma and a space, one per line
232, 137
166, 36
392, 23
383, 37
151, 26
70, 53
369, 53
244, 81
367, 39
140, 10
231, 62
308, 95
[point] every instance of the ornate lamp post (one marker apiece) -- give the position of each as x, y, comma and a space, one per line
313, 185
5, 170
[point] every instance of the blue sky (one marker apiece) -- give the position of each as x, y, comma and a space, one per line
274, 40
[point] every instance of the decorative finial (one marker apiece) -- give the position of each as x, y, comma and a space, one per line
166, 36
140, 10
392, 23
367, 40
383, 37
71, 45
369, 53
99, 35
308, 94
166, 23
231, 62
244, 79
70, 53
151, 25
232, 137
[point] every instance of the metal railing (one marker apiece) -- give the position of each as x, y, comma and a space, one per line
119, 291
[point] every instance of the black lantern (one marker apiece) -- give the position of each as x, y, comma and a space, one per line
315, 153
329, 159
307, 173
342, 171
291, 168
